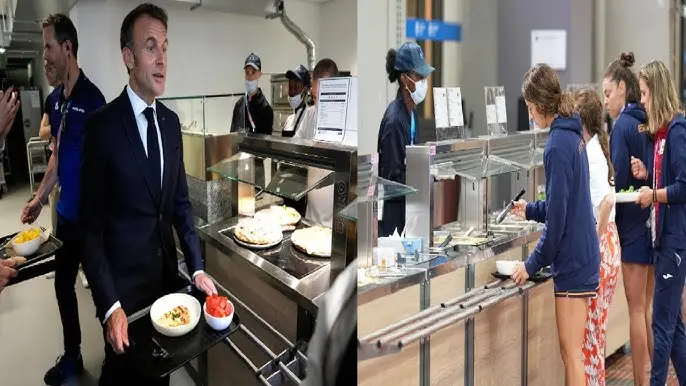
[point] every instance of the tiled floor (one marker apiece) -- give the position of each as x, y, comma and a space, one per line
30, 329
620, 372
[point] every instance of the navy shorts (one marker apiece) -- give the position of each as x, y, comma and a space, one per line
637, 252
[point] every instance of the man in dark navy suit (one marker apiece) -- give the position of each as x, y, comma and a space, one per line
134, 192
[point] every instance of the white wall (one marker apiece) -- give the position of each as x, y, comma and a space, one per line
207, 49
338, 34
640, 26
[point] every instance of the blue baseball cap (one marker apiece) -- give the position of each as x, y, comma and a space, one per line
410, 57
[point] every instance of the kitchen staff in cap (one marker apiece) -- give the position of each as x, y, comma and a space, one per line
398, 128
299, 84
253, 112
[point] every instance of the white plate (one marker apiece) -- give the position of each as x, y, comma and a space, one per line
621, 198
167, 303
256, 246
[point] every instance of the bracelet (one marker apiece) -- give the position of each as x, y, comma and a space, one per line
654, 195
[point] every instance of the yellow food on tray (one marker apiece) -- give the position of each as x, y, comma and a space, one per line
27, 235
179, 316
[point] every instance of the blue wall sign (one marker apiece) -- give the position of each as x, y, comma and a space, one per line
437, 30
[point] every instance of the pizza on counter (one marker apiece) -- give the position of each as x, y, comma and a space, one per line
284, 215
258, 231
315, 241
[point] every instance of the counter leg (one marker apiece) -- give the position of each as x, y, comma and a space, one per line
469, 332
425, 343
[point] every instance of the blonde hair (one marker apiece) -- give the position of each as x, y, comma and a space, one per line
590, 110
541, 87
664, 99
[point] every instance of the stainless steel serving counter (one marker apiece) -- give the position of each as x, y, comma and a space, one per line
306, 292
442, 265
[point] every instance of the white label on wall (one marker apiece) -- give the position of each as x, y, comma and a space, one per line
550, 47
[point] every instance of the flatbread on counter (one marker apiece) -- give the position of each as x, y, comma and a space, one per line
315, 241
284, 215
258, 232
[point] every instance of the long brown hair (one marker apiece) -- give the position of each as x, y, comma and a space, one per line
664, 99
590, 109
620, 71
541, 87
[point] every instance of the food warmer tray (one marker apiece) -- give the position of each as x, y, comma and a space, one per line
32, 268
285, 256
540, 277
161, 355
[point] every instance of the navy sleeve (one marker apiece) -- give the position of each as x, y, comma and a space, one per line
558, 174
92, 205
392, 152
621, 158
676, 192
536, 211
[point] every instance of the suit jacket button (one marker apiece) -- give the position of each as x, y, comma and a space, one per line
160, 217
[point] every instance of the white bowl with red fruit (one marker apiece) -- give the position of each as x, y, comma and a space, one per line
218, 312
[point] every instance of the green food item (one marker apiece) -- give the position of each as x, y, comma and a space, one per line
541, 196
630, 189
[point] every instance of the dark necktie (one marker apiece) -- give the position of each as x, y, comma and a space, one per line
153, 150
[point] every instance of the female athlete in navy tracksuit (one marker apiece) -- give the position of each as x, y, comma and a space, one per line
622, 102
569, 243
667, 199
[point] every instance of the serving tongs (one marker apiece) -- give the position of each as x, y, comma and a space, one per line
508, 208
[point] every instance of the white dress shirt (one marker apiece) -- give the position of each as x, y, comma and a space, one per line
598, 171
139, 106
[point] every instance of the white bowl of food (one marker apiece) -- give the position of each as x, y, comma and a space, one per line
27, 242
506, 267
220, 313
175, 315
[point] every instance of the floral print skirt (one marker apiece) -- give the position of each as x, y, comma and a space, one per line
596, 323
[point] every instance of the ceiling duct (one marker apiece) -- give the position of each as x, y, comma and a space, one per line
271, 9
293, 28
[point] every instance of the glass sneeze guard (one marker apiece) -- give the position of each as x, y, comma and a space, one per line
375, 189
276, 177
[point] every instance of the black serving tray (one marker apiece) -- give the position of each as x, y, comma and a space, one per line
32, 268
158, 355
540, 277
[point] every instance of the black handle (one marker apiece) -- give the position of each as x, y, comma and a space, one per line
519, 195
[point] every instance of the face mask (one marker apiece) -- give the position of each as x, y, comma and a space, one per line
295, 101
419, 93
251, 86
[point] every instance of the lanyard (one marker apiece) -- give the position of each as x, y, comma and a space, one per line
247, 109
60, 130
412, 128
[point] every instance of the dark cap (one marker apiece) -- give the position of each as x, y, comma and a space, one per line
253, 61
410, 57
300, 74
